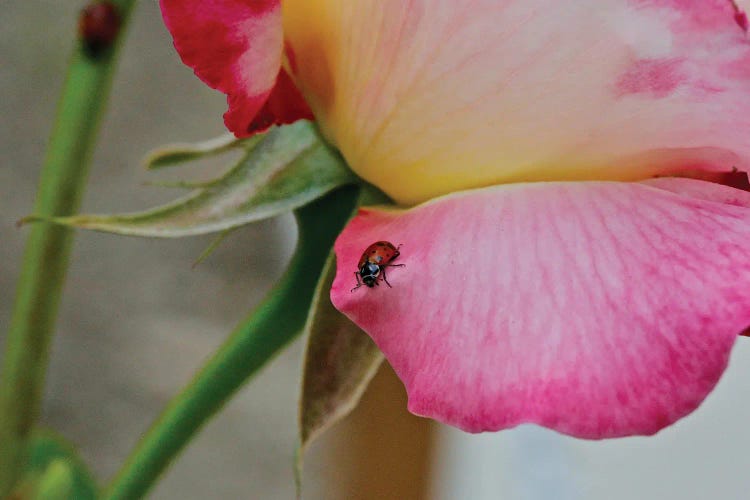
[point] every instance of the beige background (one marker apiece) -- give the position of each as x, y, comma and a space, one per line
136, 320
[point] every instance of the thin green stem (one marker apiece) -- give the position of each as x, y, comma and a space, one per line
278, 320
63, 178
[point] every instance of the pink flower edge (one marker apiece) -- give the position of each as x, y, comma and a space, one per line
236, 47
598, 309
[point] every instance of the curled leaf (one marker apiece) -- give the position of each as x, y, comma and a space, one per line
174, 154
189, 185
290, 167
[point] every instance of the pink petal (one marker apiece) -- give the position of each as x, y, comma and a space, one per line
427, 97
236, 46
598, 309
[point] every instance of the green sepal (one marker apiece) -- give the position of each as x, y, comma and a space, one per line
339, 363
340, 359
287, 169
176, 154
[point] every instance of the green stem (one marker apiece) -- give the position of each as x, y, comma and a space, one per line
45, 261
278, 320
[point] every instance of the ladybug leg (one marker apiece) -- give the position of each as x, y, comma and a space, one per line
359, 283
397, 252
384, 278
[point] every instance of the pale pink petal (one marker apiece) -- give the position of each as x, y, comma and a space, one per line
236, 46
425, 97
598, 309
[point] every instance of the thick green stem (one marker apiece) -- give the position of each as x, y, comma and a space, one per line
278, 320
45, 261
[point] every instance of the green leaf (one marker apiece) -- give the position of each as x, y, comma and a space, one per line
53, 471
290, 167
57, 482
175, 154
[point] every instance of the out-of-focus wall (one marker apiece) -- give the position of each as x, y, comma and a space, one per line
136, 320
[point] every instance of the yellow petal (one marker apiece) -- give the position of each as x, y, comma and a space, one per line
428, 97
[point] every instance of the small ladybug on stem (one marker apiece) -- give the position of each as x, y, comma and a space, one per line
98, 26
373, 262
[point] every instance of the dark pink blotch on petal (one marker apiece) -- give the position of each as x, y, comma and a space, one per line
597, 309
741, 19
660, 77
692, 16
732, 178
235, 46
740, 16
656, 77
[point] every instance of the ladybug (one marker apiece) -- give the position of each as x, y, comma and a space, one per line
373, 262
98, 26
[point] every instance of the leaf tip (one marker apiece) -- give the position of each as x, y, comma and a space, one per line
298, 464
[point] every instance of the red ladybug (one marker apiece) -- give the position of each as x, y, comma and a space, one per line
373, 262
98, 26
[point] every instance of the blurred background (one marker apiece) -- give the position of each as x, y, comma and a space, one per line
136, 321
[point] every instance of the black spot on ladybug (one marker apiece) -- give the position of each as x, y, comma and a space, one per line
98, 26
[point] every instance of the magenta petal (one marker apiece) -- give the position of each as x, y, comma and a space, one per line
599, 309
235, 46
